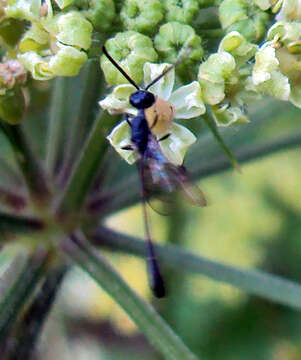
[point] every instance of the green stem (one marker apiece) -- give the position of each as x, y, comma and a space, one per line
14, 299
55, 134
28, 163
248, 153
86, 167
82, 121
11, 225
149, 321
30, 327
211, 125
255, 282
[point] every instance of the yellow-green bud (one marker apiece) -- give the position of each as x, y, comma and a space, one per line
183, 11
38, 67
214, 73
290, 10
245, 17
12, 106
67, 61
286, 32
34, 39
73, 29
131, 50
225, 115
238, 46
143, 16
23, 9
175, 40
266, 75
101, 13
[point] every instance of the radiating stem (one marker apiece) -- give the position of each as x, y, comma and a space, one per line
14, 299
210, 123
268, 286
149, 321
28, 163
56, 126
86, 167
32, 322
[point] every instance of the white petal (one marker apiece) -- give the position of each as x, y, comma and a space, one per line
118, 101
187, 101
175, 147
164, 86
119, 137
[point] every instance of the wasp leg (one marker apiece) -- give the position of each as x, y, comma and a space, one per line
155, 122
127, 147
128, 120
164, 137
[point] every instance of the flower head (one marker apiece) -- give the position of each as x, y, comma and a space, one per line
184, 103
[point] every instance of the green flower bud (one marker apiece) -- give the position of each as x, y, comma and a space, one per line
266, 75
64, 3
225, 115
101, 13
23, 9
12, 106
67, 61
131, 50
285, 32
232, 11
34, 39
214, 73
183, 11
173, 41
142, 16
73, 29
245, 17
290, 11
238, 46
38, 67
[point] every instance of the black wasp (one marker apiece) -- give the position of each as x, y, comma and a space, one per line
157, 174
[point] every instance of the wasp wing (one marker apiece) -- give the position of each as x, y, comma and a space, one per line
161, 179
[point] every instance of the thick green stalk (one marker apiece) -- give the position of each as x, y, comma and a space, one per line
29, 328
210, 123
146, 318
11, 225
255, 282
56, 126
28, 163
16, 296
86, 167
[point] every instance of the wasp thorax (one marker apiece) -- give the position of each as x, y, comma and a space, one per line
160, 116
142, 99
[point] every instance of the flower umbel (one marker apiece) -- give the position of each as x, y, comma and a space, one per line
184, 103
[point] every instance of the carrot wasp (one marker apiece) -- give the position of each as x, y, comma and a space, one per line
157, 174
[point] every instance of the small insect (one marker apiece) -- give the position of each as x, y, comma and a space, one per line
157, 174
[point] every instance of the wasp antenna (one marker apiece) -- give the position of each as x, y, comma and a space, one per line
119, 68
179, 61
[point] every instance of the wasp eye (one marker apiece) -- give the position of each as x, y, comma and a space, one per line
142, 99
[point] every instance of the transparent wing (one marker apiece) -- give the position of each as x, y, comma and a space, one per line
161, 179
